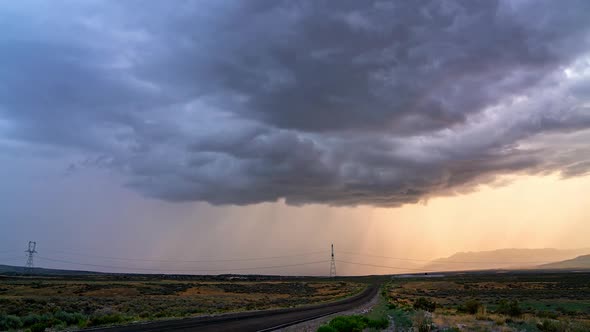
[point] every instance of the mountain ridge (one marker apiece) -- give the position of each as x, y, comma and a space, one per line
580, 262
504, 258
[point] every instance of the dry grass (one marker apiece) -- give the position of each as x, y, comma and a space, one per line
545, 301
155, 298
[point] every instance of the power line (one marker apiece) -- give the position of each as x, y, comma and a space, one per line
189, 261
281, 256
441, 262
181, 270
14, 258
383, 266
332, 261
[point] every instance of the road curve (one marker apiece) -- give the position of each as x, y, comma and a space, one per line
259, 321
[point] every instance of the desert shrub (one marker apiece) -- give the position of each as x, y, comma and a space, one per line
472, 306
401, 319
566, 311
106, 319
422, 322
354, 323
499, 320
381, 323
10, 322
32, 319
547, 314
554, 326
39, 327
547, 326
423, 303
40, 322
510, 308
326, 328
145, 314
483, 316
60, 318
69, 318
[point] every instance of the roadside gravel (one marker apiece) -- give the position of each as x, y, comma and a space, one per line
312, 325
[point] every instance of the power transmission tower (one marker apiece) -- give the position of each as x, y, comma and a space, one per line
332, 264
31, 251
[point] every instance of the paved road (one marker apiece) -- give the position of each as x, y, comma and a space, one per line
256, 321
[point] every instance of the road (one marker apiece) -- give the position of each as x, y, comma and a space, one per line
259, 321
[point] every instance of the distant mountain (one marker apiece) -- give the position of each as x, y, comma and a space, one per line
11, 270
580, 262
503, 259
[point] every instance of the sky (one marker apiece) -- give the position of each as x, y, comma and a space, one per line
233, 136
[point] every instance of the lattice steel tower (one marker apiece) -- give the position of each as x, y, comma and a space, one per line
31, 251
332, 264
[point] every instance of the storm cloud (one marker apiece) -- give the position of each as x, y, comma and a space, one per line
335, 102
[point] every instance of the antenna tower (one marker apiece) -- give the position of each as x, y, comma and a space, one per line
31, 251
332, 264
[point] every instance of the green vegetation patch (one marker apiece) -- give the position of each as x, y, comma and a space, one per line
354, 323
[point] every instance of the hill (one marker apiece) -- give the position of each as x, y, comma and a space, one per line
503, 259
580, 262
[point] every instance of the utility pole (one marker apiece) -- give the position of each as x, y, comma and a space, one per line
31, 251
332, 264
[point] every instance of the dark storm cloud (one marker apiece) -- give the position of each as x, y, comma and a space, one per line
404, 66
336, 102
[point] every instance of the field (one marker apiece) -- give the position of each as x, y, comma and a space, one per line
515, 301
492, 302
58, 302
477, 301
